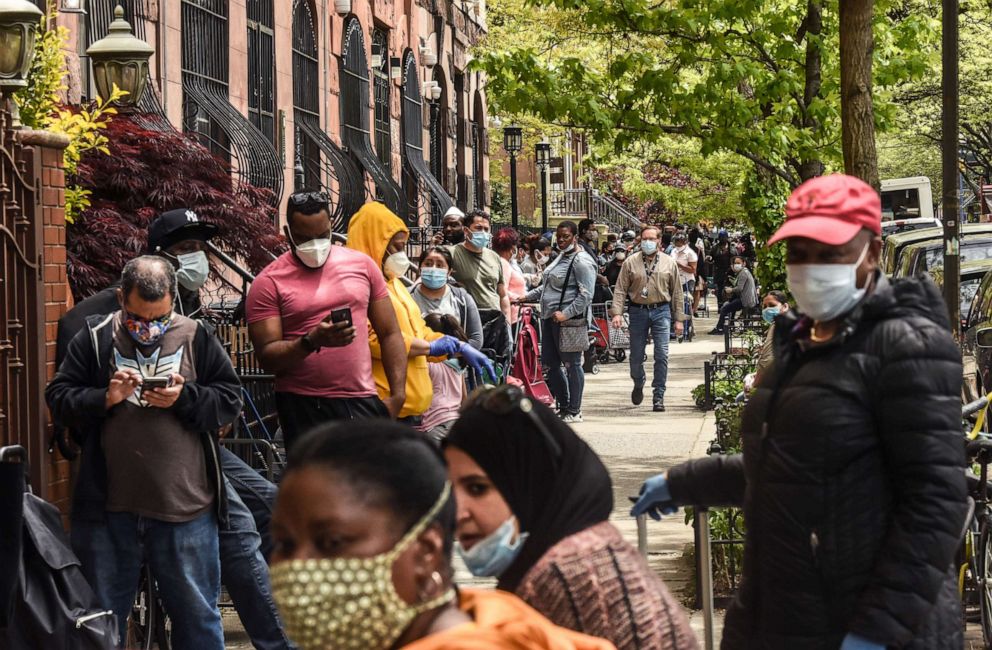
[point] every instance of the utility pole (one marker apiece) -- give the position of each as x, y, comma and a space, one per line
949, 160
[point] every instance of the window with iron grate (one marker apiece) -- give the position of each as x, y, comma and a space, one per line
261, 67
383, 128
205, 66
306, 101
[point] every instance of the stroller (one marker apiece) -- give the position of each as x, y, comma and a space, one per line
526, 367
45, 601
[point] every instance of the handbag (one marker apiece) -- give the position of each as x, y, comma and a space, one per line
573, 334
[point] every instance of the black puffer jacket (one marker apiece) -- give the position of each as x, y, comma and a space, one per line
851, 480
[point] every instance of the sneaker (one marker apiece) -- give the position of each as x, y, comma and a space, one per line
716, 330
572, 418
637, 395
659, 406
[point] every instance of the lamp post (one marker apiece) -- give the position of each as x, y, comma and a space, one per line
542, 156
513, 142
120, 59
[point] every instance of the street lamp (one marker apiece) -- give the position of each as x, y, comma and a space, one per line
120, 59
513, 142
72, 7
18, 21
542, 156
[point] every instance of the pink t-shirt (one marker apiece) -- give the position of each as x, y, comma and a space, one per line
302, 297
516, 287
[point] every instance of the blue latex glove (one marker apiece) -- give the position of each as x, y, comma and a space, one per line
855, 642
479, 362
444, 346
655, 499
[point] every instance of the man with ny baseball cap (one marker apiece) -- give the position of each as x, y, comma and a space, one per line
851, 476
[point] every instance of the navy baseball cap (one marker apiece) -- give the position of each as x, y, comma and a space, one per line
175, 226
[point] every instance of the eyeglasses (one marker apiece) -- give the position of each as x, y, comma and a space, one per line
505, 399
304, 198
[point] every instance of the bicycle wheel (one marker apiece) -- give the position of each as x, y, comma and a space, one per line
985, 581
148, 626
142, 622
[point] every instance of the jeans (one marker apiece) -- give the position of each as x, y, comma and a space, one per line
298, 414
244, 545
183, 558
657, 321
567, 383
729, 308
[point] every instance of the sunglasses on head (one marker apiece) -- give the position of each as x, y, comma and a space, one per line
307, 198
505, 399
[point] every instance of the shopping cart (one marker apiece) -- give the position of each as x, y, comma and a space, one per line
609, 342
688, 330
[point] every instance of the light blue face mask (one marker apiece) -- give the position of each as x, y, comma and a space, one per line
649, 246
433, 278
768, 314
481, 239
493, 555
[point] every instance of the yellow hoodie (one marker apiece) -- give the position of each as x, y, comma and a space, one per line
369, 232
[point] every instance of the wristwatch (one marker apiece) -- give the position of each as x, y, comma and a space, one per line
307, 344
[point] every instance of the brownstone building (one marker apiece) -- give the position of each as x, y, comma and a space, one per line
361, 98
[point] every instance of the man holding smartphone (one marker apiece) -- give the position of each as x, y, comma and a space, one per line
309, 317
146, 389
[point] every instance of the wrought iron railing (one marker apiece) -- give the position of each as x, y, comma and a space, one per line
581, 203
438, 200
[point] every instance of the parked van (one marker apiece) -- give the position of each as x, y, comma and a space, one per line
907, 204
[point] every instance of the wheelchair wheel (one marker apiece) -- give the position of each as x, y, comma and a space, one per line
148, 626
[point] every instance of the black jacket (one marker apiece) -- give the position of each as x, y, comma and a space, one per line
851, 480
77, 394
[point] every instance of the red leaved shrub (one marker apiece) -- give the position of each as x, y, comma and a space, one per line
149, 172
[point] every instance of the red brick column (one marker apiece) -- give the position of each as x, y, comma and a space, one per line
51, 210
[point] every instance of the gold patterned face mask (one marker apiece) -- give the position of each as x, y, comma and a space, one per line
349, 603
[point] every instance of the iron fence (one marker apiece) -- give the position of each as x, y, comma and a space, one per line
743, 335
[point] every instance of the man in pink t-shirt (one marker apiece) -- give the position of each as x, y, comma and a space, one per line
323, 366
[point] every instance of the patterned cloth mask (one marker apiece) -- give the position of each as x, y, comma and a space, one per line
146, 332
350, 603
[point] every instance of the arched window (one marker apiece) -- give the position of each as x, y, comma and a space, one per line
479, 147
416, 169
462, 140
306, 101
261, 67
205, 67
355, 118
380, 74
439, 129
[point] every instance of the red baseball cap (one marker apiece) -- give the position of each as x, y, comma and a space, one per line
831, 210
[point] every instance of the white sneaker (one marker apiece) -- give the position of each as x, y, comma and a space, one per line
571, 418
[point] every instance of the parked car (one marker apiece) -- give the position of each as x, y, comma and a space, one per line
896, 244
972, 273
976, 343
925, 257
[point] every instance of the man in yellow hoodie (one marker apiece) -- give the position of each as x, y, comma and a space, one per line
380, 234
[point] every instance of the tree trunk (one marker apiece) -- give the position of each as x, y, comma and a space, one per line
814, 80
856, 112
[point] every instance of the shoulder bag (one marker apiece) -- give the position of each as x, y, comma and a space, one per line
573, 334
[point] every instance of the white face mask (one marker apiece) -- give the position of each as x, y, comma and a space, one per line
396, 265
193, 270
737, 268
825, 291
314, 253
540, 259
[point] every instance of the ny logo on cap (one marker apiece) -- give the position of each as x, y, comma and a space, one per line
191, 217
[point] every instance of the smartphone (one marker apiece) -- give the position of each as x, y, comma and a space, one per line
342, 315
148, 383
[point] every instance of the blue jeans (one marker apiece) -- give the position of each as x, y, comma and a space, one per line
183, 559
565, 383
242, 552
657, 322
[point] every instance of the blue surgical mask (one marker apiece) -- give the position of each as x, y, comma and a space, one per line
481, 239
494, 554
649, 246
769, 313
433, 278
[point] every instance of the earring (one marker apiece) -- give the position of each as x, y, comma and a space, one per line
434, 589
